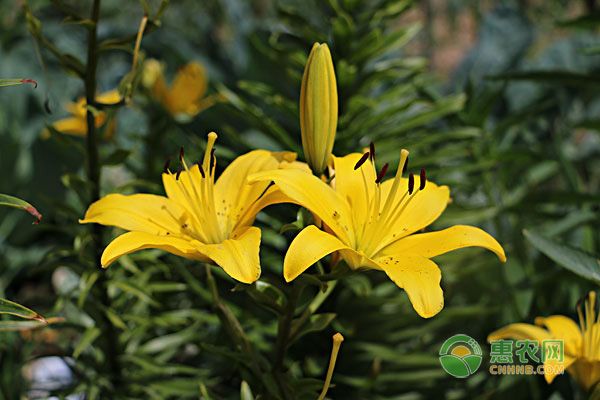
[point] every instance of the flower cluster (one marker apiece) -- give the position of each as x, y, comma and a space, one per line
361, 218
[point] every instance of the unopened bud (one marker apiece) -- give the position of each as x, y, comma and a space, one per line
318, 107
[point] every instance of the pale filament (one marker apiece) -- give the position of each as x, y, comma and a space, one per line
202, 203
380, 219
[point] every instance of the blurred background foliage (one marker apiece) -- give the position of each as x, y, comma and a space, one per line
497, 99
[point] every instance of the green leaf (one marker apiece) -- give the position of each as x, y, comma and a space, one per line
7, 326
316, 323
18, 81
574, 260
559, 77
14, 202
87, 339
117, 157
12, 308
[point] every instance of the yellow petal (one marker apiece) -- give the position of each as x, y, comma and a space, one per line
134, 241
271, 196
78, 108
237, 256
156, 215
186, 190
350, 184
432, 244
188, 87
586, 372
564, 328
552, 368
110, 97
520, 331
315, 195
233, 194
419, 277
426, 206
307, 248
153, 78
71, 126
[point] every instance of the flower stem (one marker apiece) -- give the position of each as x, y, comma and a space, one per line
284, 328
231, 323
111, 343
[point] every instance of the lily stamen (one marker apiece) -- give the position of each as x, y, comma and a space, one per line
362, 160
411, 183
382, 173
422, 179
166, 166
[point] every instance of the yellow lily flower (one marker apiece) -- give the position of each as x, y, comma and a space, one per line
199, 219
185, 98
371, 224
318, 108
581, 343
76, 124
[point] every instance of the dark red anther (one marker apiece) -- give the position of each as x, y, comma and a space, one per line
372, 151
422, 179
166, 166
411, 183
362, 160
382, 173
181, 153
405, 166
177, 175
34, 83
201, 170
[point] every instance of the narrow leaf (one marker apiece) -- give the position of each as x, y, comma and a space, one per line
574, 260
12, 308
18, 81
11, 201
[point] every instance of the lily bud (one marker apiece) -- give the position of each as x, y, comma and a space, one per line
318, 108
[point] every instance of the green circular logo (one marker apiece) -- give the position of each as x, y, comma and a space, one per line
460, 356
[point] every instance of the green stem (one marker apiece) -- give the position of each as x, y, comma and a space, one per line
284, 328
111, 342
231, 323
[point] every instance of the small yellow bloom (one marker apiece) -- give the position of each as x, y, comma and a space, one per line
318, 108
581, 343
372, 225
185, 98
76, 124
199, 218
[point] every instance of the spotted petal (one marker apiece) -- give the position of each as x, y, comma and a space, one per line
156, 215
315, 195
237, 256
419, 277
307, 248
356, 186
131, 242
432, 244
